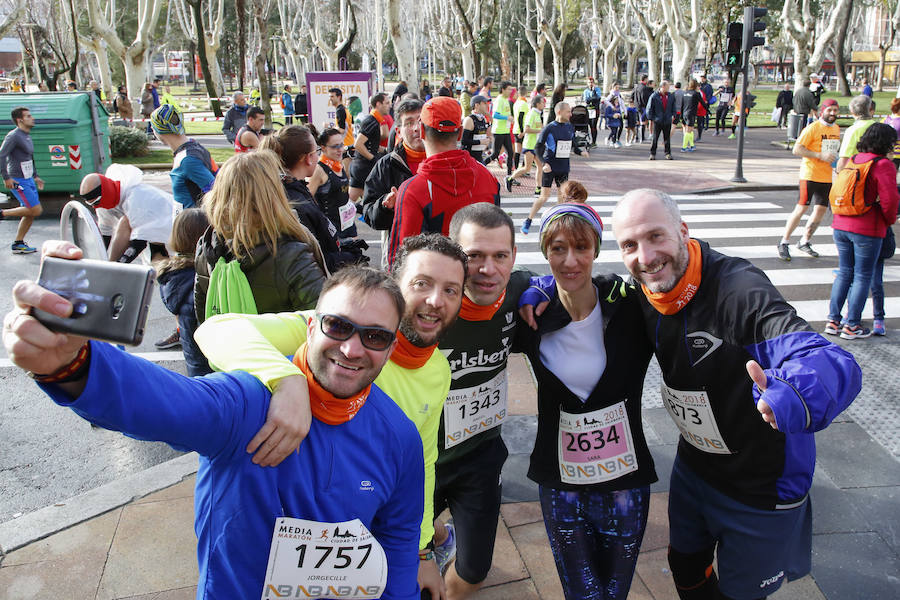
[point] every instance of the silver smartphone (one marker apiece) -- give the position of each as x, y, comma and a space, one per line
110, 300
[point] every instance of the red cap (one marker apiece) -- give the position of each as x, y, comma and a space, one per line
443, 114
828, 102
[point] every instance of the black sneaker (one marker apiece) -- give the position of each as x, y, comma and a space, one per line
652, 157
172, 341
516, 182
855, 332
784, 252
808, 249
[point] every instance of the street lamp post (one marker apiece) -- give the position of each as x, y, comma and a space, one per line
519, 63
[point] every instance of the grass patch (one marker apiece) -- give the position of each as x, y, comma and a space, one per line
219, 155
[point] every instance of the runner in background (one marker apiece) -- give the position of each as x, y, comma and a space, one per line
532, 127
501, 127
726, 101
20, 177
330, 186
372, 130
818, 146
476, 134
520, 108
554, 144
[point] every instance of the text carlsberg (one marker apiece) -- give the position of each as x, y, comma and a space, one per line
470, 363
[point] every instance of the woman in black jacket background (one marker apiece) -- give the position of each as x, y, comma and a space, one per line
296, 146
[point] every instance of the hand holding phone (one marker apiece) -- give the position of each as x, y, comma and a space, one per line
110, 301
28, 343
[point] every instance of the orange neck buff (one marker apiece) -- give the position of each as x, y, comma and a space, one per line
476, 312
324, 406
334, 165
413, 158
378, 116
410, 356
669, 303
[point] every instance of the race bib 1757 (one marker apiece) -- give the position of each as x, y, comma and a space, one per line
311, 559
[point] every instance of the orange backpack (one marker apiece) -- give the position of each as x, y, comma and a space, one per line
847, 195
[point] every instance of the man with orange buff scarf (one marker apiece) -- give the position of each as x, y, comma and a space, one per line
337, 511
748, 383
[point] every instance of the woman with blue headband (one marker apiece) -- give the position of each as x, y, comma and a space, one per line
589, 354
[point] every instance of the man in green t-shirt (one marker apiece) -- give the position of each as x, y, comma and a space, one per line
501, 125
520, 108
532, 125
862, 109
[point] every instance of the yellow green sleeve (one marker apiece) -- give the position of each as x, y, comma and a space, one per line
429, 433
257, 344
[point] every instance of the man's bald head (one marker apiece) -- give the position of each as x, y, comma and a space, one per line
90, 181
642, 197
652, 238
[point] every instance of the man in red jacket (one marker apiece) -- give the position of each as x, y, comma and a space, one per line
447, 180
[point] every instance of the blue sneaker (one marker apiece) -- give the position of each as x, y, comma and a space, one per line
445, 552
878, 327
526, 226
22, 248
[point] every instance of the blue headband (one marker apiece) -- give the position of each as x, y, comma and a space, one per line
581, 211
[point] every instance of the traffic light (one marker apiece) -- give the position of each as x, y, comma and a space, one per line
735, 43
751, 101
754, 16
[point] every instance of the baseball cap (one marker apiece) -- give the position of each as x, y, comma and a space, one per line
477, 99
828, 102
443, 114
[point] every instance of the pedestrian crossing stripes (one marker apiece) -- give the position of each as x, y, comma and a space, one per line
735, 224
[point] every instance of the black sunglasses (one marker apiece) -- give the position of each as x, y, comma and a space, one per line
341, 329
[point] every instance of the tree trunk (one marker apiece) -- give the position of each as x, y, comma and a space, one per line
211, 91
73, 68
403, 50
240, 10
839, 62
631, 66
260, 15
379, 45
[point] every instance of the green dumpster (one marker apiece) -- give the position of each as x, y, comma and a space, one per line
70, 134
